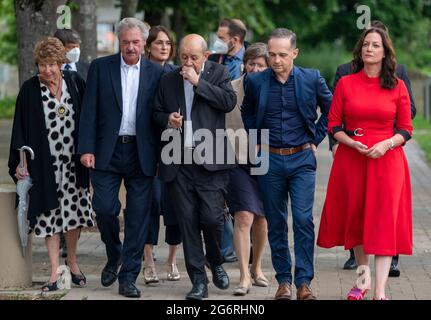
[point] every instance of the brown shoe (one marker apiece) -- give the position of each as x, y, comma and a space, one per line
304, 293
283, 292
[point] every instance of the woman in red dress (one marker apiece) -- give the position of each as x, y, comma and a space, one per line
368, 202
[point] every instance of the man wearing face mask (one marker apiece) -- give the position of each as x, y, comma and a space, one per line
229, 50
72, 41
230, 46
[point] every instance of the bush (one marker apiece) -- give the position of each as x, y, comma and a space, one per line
7, 107
325, 57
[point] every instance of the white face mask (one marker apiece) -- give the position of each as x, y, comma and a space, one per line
73, 55
220, 47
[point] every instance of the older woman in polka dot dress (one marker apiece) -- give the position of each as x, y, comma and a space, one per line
46, 118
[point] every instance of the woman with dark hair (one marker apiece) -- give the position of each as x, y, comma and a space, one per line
368, 201
46, 119
160, 49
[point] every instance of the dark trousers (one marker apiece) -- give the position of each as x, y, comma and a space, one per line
124, 166
198, 196
161, 202
290, 176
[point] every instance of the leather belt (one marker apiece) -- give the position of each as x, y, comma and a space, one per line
127, 139
358, 132
286, 151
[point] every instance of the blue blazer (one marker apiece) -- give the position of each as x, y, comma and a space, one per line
102, 112
310, 90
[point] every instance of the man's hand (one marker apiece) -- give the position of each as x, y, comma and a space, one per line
190, 74
314, 149
88, 160
175, 120
334, 149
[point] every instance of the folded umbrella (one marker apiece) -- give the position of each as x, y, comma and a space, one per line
22, 188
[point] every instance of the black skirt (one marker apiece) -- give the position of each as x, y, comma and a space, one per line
243, 192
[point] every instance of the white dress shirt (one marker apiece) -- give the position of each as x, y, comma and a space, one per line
130, 75
189, 95
72, 66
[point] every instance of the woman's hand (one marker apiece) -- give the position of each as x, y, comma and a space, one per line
360, 147
379, 149
21, 173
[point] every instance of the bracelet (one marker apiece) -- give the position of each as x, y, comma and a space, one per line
392, 145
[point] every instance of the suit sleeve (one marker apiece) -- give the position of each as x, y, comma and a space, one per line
248, 107
324, 98
89, 109
404, 76
404, 119
220, 96
160, 116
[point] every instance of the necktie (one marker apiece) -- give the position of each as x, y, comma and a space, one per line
67, 67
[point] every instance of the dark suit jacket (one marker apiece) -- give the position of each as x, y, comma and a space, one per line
29, 129
214, 97
102, 111
82, 69
310, 90
401, 72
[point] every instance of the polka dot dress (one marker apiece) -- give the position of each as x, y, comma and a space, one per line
75, 209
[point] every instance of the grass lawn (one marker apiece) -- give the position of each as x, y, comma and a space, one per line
422, 134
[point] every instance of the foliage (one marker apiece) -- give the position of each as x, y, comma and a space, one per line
8, 40
7, 107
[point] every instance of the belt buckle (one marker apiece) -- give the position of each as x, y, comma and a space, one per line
359, 132
123, 139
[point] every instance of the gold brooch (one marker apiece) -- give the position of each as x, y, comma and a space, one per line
61, 111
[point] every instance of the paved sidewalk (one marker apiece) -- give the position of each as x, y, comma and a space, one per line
331, 282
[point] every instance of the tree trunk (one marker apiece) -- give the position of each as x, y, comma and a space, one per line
84, 21
128, 8
35, 19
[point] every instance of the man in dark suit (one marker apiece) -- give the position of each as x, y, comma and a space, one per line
117, 141
201, 92
72, 42
401, 72
284, 100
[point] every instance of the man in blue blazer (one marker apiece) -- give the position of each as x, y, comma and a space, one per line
118, 143
284, 99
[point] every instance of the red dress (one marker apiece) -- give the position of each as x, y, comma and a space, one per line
369, 201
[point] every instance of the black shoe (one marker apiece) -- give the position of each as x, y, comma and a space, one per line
231, 257
129, 290
109, 275
220, 277
394, 271
350, 264
198, 292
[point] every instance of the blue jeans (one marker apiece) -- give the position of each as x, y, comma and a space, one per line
290, 176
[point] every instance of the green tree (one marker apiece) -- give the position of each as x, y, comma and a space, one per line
8, 40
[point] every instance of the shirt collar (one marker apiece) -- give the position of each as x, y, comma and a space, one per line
291, 75
135, 66
238, 56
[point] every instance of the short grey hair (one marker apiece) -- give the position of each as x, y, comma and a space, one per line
130, 23
283, 33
